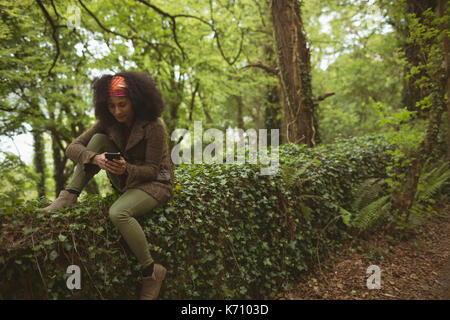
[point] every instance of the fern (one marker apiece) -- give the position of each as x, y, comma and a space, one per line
431, 182
371, 213
291, 174
370, 205
367, 192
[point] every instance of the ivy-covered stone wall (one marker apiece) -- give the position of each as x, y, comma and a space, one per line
227, 233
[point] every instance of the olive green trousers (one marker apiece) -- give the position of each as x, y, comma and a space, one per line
131, 204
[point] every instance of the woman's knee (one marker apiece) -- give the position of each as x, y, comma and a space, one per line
118, 216
97, 141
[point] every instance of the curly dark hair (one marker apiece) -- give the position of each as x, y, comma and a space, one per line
146, 99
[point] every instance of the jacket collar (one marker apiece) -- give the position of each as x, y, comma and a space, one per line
137, 134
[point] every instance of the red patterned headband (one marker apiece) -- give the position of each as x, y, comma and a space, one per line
118, 87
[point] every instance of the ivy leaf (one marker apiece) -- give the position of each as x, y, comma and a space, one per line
53, 255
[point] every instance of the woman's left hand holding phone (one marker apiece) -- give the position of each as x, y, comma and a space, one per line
114, 166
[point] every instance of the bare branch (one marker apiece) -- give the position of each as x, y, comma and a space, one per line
132, 38
55, 38
54, 9
99, 23
213, 28
259, 64
216, 36
324, 96
173, 24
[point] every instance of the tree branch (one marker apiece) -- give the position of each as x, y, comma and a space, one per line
55, 38
324, 96
213, 28
132, 38
272, 70
216, 36
173, 24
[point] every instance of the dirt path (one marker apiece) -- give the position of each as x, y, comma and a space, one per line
415, 269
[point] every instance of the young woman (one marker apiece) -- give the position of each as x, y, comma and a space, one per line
128, 107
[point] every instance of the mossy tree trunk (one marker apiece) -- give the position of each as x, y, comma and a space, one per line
442, 9
412, 93
406, 195
439, 85
39, 159
295, 71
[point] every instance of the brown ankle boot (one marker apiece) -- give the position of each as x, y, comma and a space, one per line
64, 199
152, 285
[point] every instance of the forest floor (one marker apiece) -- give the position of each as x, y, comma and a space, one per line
415, 269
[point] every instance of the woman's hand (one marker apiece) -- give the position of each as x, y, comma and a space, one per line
114, 166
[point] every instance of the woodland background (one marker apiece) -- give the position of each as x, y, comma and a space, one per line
331, 75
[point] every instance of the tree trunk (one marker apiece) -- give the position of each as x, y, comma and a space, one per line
58, 166
295, 71
240, 112
205, 107
405, 197
39, 160
411, 92
171, 125
273, 110
176, 88
442, 10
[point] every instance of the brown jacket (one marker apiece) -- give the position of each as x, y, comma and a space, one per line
149, 166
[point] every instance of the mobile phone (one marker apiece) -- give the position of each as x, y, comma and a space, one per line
112, 155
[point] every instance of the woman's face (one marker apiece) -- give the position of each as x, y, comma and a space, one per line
121, 109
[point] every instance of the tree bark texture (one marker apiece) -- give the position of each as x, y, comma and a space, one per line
295, 71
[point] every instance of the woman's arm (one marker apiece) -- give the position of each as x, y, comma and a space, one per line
77, 150
156, 145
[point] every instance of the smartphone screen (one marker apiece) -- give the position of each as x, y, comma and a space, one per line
112, 156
